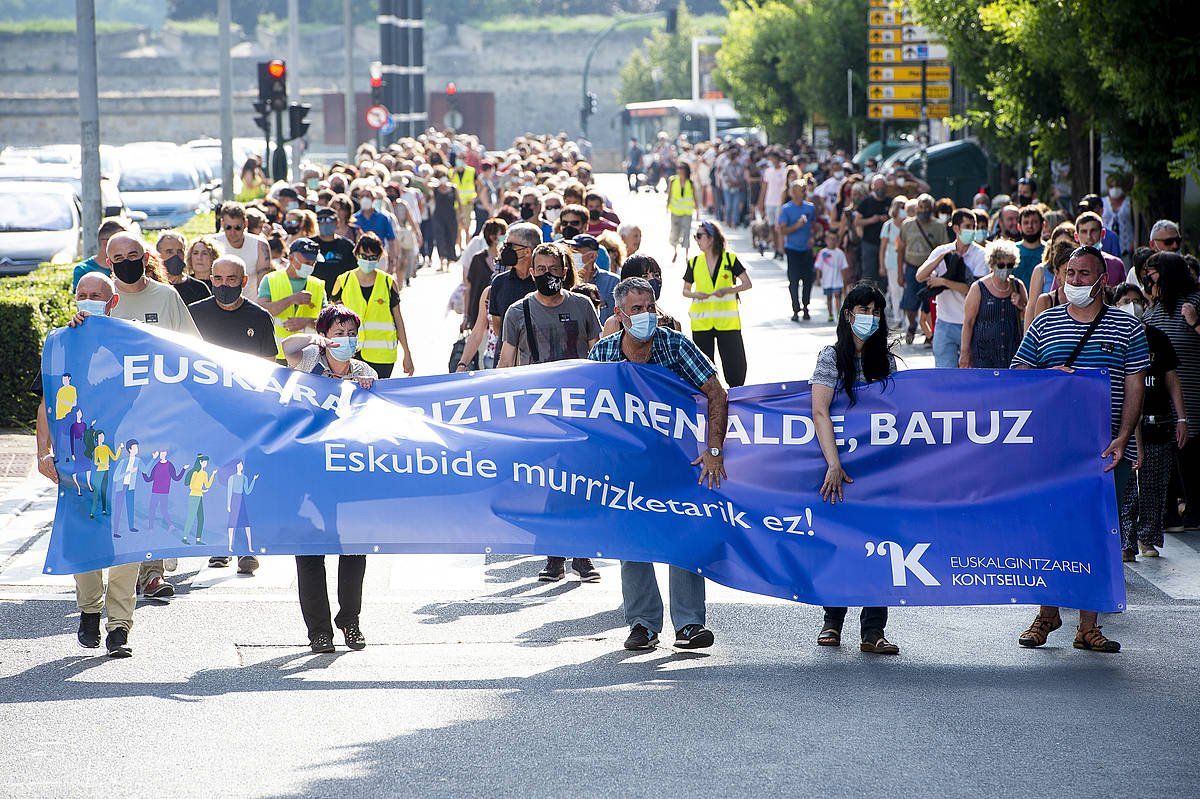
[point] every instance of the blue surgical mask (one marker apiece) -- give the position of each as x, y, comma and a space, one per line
326, 228
343, 347
865, 325
980, 235
367, 265
92, 307
642, 325
966, 236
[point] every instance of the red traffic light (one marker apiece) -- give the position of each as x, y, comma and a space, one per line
376, 82
451, 89
276, 69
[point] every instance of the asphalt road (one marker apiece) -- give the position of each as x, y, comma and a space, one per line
479, 681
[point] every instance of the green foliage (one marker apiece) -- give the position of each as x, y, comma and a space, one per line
784, 62
662, 68
44, 25
199, 225
30, 307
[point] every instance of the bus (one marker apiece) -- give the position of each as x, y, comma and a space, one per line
695, 120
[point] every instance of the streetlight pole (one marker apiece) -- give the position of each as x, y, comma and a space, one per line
224, 45
585, 110
348, 81
89, 122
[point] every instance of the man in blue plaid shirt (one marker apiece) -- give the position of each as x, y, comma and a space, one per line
641, 340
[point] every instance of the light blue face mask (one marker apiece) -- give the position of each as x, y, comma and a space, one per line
367, 265
343, 347
865, 325
980, 236
91, 307
642, 325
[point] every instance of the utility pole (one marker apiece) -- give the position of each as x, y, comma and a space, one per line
348, 82
294, 83
850, 111
225, 45
89, 121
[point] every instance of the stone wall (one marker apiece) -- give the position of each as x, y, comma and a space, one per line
164, 86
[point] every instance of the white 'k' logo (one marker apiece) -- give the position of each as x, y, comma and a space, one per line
902, 564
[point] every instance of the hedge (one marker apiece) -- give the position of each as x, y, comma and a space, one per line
30, 307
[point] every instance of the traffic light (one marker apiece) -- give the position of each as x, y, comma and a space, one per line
297, 120
593, 102
376, 71
272, 84
262, 116
451, 89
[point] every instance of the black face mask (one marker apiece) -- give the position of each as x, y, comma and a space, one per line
129, 271
569, 231
593, 214
272, 216
226, 295
508, 256
657, 286
526, 211
547, 284
174, 265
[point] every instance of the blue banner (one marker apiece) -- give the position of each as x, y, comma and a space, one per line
970, 486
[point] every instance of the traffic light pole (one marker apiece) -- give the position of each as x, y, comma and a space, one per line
224, 45
89, 122
585, 108
279, 163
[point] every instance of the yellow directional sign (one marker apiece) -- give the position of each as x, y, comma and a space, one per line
885, 36
890, 16
906, 110
908, 91
884, 55
902, 74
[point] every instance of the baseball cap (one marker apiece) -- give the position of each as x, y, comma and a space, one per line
585, 241
325, 212
306, 247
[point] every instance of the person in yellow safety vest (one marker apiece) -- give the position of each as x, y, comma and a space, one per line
715, 320
682, 206
293, 296
374, 296
463, 178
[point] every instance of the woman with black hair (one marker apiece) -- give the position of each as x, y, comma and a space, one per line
1175, 310
712, 280
862, 354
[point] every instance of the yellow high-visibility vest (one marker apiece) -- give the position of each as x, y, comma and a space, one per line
280, 286
465, 183
681, 197
377, 338
715, 313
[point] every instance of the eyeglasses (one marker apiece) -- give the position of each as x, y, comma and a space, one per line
557, 271
235, 227
1006, 264
700, 235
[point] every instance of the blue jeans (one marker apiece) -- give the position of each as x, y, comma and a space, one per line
947, 344
643, 602
734, 199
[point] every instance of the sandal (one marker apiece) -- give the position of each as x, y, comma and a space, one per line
829, 637
880, 646
1129, 556
1094, 641
1040, 630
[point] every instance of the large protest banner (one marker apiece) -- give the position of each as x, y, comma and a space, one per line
970, 486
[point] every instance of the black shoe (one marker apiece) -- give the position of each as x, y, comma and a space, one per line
806, 316
117, 643
586, 571
694, 636
641, 638
218, 562
795, 317
556, 569
354, 637
321, 644
247, 564
908, 337
89, 630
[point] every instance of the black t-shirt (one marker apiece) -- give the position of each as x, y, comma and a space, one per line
339, 258
1157, 402
246, 329
689, 274
192, 290
479, 275
873, 206
507, 288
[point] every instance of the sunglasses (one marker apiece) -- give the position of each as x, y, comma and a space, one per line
1171, 241
235, 227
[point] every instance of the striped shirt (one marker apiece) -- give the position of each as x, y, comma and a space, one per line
1186, 342
1118, 345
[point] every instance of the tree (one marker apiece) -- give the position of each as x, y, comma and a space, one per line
662, 68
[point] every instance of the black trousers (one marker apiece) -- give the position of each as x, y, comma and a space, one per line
384, 370
733, 352
314, 598
871, 620
1185, 484
800, 269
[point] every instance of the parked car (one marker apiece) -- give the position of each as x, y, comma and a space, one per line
112, 206
110, 165
39, 221
163, 182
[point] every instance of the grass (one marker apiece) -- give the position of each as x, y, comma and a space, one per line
58, 26
585, 23
194, 228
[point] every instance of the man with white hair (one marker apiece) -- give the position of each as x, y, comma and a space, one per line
631, 234
1164, 236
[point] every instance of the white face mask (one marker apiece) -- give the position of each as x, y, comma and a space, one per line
1134, 308
1116, 192
839, 174
304, 270
552, 214
899, 181
1079, 296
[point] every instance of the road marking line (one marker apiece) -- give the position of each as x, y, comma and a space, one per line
1176, 573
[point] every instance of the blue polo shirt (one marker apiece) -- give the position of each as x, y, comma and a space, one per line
377, 223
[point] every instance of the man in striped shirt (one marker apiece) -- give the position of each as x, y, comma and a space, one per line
1110, 340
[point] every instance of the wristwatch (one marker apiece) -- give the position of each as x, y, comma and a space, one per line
714, 451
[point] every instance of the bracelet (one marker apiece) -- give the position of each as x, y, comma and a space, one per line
47, 455
1184, 420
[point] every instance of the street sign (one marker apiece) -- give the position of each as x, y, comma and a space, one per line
377, 116
890, 17
885, 36
915, 33
906, 110
902, 74
884, 55
908, 91
924, 52
389, 126
881, 3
